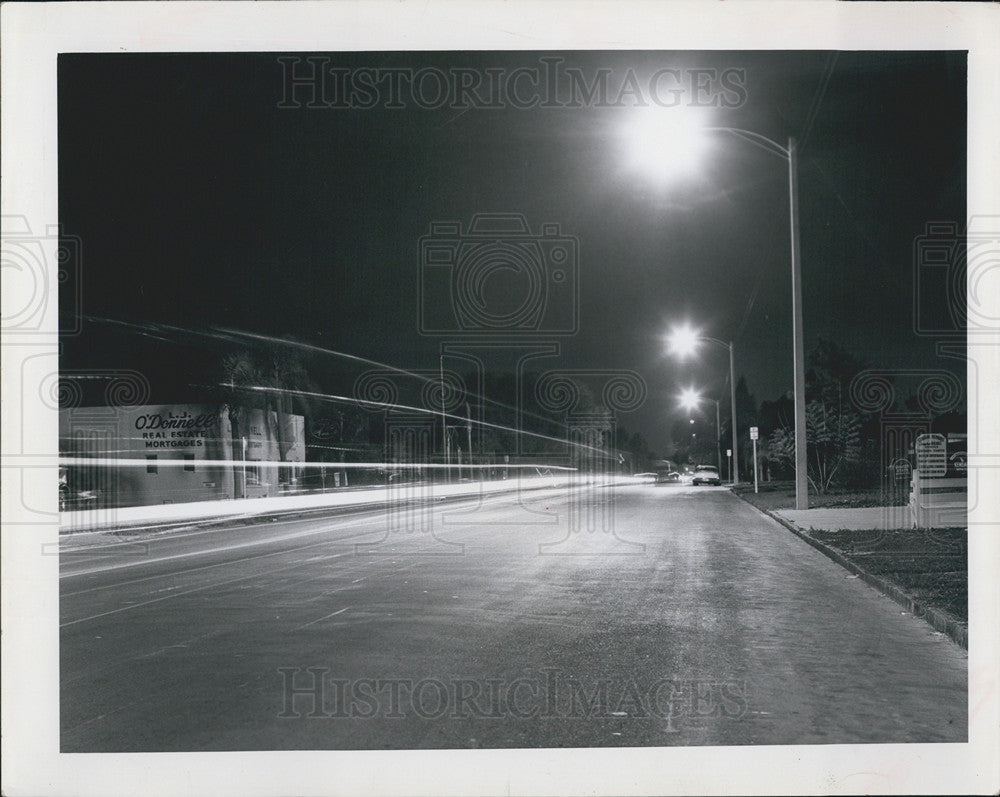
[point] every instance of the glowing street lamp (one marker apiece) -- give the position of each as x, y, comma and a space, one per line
681, 139
683, 341
689, 398
670, 144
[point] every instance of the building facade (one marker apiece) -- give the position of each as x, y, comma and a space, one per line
176, 453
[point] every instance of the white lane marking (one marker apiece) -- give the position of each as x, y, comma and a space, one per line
296, 564
189, 591
327, 617
206, 551
146, 534
174, 573
228, 562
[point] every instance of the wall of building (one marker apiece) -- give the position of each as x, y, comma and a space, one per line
259, 440
177, 453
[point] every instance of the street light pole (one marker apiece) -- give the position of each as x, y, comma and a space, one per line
798, 357
468, 433
444, 424
732, 401
790, 155
801, 483
718, 446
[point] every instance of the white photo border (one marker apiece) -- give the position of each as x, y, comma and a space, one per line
34, 35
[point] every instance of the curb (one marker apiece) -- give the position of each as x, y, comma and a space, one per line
954, 629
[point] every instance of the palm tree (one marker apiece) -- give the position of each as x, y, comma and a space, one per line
287, 375
239, 371
284, 378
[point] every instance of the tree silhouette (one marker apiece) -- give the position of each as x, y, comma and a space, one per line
833, 428
273, 380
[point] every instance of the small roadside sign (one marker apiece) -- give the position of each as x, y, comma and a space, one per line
753, 432
931, 453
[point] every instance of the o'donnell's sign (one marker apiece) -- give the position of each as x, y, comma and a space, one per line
172, 453
168, 453
182, 429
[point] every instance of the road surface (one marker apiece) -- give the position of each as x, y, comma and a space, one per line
651, 616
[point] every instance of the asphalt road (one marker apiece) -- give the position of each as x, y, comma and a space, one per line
664, 615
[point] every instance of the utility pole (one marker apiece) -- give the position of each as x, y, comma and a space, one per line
444, 423
732, 399
468, 431
718, 445
798, 359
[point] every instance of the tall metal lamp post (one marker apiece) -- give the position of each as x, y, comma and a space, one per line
790, 154
669, 138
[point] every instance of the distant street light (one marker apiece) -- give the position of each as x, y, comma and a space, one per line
683, 341
674, 135
689, 400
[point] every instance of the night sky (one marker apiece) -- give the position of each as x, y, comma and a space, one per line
201, 203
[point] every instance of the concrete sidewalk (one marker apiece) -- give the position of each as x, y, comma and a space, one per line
884, 518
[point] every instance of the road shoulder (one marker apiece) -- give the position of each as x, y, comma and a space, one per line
940, 620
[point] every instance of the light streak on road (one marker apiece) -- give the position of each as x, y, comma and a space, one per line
143, 516
114, 462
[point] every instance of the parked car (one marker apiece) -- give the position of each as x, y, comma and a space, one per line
673, 476
706, 474
649, 478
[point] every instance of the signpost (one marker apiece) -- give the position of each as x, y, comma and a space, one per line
753, 436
